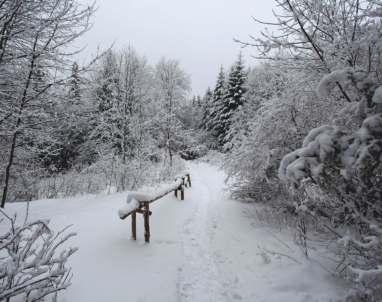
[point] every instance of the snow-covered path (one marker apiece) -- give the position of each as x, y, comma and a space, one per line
206, 248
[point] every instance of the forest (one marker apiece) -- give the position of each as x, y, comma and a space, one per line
297, 129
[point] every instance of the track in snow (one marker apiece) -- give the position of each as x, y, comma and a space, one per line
199, 276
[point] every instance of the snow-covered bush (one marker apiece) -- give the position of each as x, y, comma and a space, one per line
33, 261
71, 183
335, 177
110, 174
347, 168
280, 111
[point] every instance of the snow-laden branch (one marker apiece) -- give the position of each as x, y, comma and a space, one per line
33, 261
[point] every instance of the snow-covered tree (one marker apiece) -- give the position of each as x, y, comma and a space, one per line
75, 84
106, 82
267, 126
344, 63
232, 101
213, 125
347, 168
61, 150
336, 46
206, 108
33, 64
172, 86
193, 113
122, 89
325, 37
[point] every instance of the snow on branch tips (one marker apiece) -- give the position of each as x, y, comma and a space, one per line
327, 145
357, 83
320, 145
348, 167
330, 80
33, 261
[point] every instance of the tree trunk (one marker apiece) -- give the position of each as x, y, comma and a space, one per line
8, 169
169, 147
134, 225
146, 218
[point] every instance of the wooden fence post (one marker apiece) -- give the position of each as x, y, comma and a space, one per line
189, 179
146, 217
182, 193
134, 225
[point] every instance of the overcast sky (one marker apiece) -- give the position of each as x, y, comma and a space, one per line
198, 33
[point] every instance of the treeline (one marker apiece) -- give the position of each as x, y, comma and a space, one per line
67, 129
304, 131
122, 118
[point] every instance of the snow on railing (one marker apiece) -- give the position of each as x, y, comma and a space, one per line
139, 202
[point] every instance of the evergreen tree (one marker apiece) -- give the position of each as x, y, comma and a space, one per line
233, 100
107, 82
107, 95
194, 101
206, 108
74, 84
213, 124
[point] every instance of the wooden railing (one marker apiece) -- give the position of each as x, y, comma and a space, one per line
139, 203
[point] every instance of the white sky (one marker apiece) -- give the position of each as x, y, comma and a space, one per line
198, 33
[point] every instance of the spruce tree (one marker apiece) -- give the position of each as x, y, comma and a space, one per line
232, 100
74, 85
213, 122
107, 82
206, 108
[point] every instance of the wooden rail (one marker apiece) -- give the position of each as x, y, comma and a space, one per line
140, 204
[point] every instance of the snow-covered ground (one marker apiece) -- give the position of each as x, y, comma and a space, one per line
206, 248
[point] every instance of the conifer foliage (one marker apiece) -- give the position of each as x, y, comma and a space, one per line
212, 125
233, 99
206, 108
227, 98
